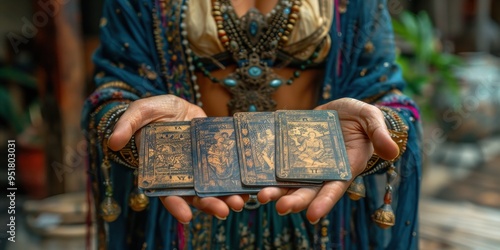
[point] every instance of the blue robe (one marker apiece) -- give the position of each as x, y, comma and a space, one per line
136, 51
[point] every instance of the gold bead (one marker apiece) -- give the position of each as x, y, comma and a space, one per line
294, 16
384, 216
369, 47
289, 27
224, 39
343, 6
383, 78
221, 32
110, 210
284, 39
138, 201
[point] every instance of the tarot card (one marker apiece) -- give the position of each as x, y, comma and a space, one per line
310, 146
170, 192
165, 156
215, 157
255, 138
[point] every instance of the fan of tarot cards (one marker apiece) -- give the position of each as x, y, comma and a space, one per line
218, 156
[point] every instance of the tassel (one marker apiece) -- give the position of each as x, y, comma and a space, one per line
137, 201
110, 209
384, 216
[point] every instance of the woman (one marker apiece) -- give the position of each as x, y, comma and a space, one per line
214, 58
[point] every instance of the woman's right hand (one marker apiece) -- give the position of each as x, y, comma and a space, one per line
166, 108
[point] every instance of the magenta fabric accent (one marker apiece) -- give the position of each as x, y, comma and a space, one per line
182, 237
412, 109
337, 24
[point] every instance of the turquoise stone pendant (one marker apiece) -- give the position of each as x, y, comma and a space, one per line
252, 86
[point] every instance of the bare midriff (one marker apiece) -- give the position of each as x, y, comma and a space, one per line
301, 94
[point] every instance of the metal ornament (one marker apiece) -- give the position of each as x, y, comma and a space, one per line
384, 216
253, 41
110, 210
138, 201
252, 85
357, 189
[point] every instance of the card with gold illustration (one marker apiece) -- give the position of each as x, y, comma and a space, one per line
215, 157
165, 156
255, 138
170, 192
310, 146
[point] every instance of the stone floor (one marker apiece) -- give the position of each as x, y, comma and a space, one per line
460, 205
459, 208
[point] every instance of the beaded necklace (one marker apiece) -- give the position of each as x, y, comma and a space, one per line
253, 41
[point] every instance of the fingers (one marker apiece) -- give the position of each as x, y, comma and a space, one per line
296, 201
178, 207
271, 194
327, 197
215, 206
234, 202
151, 109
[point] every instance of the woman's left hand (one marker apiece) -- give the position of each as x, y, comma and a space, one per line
364, 132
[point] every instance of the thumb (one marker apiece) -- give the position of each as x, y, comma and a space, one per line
152, 109
375, 127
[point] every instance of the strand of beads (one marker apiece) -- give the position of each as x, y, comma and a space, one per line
109, 208
292, 20
189, 54
296, 74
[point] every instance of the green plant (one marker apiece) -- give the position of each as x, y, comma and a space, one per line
17, 114
426, 68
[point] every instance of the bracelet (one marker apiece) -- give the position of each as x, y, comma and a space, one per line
118, 84
398, 131
384, 216
127, 156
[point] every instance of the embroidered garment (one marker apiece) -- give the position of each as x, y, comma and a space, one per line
142, 54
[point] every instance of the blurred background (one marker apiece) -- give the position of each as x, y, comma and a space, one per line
449, 52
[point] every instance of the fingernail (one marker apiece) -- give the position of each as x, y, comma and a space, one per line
237, 211
220, 218
314, 222
184, 222
265, 202
109, 137
285, 213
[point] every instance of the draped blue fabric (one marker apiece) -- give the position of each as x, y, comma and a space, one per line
131, 53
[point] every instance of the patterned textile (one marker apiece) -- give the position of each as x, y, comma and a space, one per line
142, 55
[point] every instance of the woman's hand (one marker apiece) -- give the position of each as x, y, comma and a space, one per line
364, 132
162, 109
